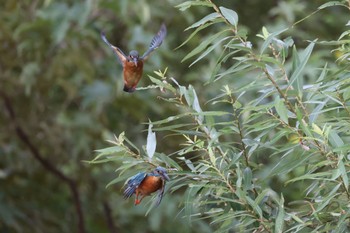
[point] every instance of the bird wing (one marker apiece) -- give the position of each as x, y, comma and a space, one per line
121, 56
156, 41
160, 194
132, 183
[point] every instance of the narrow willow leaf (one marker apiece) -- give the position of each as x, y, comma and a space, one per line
188, 93
173, 126
304, 57
289, 162
170, 119
303, 124
330, 4
190, 165
317, 111
230, 15
195, 32
151, 142
207, 18
107, 151
211, 156
346, 147
205, 43
334, 139
314, 176
247, 178
265, 32
269, 39
185, 5
211, 48
328, 198
317, 129
160, 83
344, 175
168, 161
346, 94
239, 67
281, 110
254, 206
262, 197
195, 105
280, 216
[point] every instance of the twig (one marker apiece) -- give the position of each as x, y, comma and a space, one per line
108, 214
46, 163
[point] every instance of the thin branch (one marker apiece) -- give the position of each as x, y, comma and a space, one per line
23, 136
109, 219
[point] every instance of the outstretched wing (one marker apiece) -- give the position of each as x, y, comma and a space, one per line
160, 194
156, 41
132, 183
121, 56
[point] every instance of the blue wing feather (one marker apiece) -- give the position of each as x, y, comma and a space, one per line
132, 183
156, 41
120, 54
160, 194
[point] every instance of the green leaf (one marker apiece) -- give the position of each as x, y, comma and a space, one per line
334, 139
107, 151
326, 199
211, 156
317, 129
344, 174
330, 4
281, 110
160, 83
304, 57
194, 33
211, 48
268, 40
195, 104
280, 216
289, 162
346, 94
205, 43
314, 176
247, 178
254, 206
230, 15
186, 5
204, 20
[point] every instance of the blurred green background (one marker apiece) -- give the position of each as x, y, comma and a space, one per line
61, 99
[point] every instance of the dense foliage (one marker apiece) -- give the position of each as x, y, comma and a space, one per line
255, 133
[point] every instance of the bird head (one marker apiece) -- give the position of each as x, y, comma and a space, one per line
134, 56
161, 171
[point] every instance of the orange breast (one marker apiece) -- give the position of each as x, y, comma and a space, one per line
150, 184
132, 74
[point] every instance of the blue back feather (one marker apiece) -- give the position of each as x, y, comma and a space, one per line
132, 183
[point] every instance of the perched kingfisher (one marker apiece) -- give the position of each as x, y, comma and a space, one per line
143, 184
133, 63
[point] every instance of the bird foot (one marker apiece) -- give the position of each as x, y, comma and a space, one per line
137, 202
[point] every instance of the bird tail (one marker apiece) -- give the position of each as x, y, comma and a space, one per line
129, 191
128, 89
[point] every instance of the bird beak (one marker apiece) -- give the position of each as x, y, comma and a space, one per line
135, 61
166, 176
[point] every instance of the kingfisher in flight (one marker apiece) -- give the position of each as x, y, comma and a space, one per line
133, 63
143, 184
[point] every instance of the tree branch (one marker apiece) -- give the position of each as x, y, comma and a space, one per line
44, 162
108, 214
